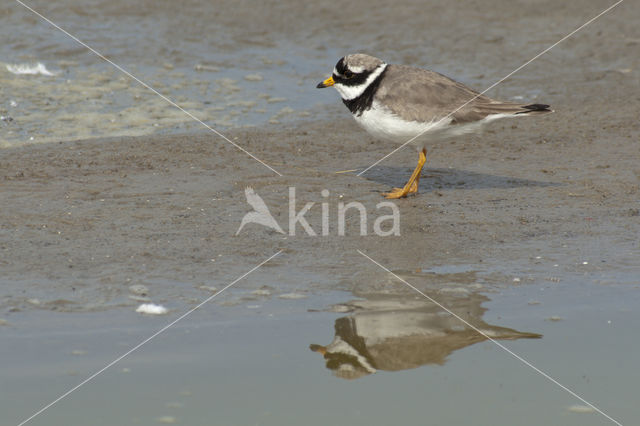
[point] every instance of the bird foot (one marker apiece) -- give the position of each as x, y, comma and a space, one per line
395, 193
401, 192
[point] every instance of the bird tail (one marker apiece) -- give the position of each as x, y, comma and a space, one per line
535, 109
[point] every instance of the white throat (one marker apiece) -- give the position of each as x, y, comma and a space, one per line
351, 92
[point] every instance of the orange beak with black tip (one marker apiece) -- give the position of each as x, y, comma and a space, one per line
328, 82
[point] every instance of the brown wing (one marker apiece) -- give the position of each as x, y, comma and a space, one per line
417, 94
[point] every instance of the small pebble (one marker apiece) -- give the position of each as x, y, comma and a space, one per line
516, 280
253, 77
152, 309
201, 67
292, 296
554, 318
166, 419
581, 409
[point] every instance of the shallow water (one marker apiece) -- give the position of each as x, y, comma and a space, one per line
252, 365
86, 97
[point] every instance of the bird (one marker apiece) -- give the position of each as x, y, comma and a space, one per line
401, 103
260, 214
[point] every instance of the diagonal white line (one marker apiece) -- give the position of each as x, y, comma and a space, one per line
136, 347
500, 345
124, 71
495, 84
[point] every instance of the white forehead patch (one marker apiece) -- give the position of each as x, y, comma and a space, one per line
354, 69
352, 92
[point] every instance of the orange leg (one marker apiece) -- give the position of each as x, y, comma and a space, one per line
412, 184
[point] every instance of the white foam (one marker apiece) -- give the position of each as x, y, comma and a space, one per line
29, 69
152, 309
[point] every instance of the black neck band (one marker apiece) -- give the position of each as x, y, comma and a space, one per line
364, 101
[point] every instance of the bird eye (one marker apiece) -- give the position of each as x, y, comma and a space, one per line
348, 74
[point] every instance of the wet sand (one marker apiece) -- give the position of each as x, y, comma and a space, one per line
85, 220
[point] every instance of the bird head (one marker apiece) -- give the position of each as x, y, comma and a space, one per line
353, 74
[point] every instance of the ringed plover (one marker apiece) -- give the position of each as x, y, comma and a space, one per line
398, 102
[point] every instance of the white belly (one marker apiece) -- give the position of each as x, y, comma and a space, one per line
382, 124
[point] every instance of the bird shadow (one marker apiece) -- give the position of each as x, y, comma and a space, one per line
447, 179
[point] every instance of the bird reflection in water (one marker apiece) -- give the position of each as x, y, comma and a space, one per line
393, 333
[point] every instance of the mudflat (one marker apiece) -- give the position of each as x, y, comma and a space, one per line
90, 218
